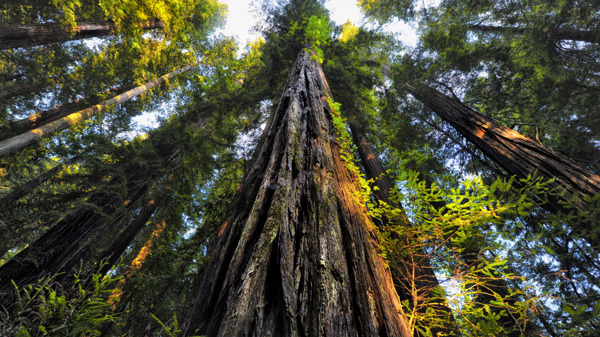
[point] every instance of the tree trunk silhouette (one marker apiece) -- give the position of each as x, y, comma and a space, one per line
558, 34
32, 136
65, 246
20, 89
22, 190
16, 36
298, 255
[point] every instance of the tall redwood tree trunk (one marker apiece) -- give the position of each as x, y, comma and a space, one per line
558, 34
298, 255
34, 135
517, 154
15, 36
20, 89
39, 119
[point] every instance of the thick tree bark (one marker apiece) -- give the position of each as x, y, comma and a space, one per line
298, 256
39, 119
415, 282
31, 137
559, 34
16, 36
517, 154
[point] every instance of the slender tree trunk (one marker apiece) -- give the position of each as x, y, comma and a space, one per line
517, 154
20, 89
31, 137
16, 36
415, 282
22, 190
136, 264
298, 257
559, 34
39, 119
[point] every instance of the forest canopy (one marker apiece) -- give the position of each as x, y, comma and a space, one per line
324, 179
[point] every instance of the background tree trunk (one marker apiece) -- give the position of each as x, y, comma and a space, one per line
22, 190
415, 282
558, 34
15, 36
20, 89
517, 154
298, 256
39, 119
32, 136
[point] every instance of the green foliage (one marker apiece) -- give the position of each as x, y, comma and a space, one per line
46, 308
479, 241
347, 151
384, 10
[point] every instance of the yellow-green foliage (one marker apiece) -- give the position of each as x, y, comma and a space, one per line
459, 231
347, 153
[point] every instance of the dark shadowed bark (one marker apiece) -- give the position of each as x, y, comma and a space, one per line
15, 36
517, 154
69, 244
558, 34
413, 275
298, 255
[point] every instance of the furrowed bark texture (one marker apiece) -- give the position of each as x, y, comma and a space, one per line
16, 36
413, 281
298, 255
517, 154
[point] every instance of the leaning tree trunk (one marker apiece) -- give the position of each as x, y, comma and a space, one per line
517, 154
72, 242
414, 282
558, 34
32, 136
39, 119
298, 256
54, 251
16, 36
22, 190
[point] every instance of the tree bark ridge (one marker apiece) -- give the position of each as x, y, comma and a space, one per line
515, 153
298, 257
